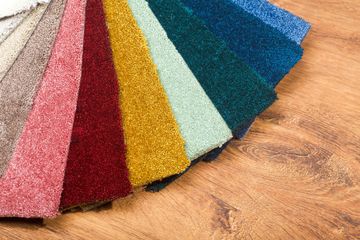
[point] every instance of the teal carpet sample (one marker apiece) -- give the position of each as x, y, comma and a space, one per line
238, 92
201, 125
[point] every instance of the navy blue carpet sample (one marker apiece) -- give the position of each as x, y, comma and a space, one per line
237, 91
264, 48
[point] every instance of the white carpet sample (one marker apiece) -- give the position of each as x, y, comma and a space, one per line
9, 24
16, 41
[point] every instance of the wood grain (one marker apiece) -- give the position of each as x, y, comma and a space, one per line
295, 176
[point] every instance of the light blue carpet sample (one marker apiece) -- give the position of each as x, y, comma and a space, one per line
290, 25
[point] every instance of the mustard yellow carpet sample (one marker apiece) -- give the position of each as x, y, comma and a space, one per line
155, 148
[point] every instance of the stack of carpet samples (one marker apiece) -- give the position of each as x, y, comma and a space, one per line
101, 97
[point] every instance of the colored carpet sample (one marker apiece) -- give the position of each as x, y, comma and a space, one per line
155, 148
9, 24
262, 47
13, 7
33, 183
14, 44
20, 84
290, 25
201, 125
96, 169
236, 90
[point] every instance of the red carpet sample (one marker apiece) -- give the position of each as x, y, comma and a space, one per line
96, 168
33, 184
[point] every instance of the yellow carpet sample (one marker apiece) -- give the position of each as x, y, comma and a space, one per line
155, 148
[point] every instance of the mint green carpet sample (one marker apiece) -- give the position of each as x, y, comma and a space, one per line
201, 125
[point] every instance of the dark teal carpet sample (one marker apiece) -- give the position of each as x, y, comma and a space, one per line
264, 48
237, 91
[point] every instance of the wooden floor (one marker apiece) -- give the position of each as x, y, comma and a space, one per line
295, 176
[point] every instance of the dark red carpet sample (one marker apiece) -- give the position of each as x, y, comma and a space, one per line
96, 168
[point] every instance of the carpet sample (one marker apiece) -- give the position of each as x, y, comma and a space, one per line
33, 183
22, 80
10, 7
9, 24
155, 148
290, 25
13, 45
96, 169
201, 125
262, 47
236, 90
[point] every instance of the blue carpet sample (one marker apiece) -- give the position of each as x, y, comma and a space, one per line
265, 49
290, 25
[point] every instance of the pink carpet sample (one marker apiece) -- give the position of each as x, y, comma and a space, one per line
32, 185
